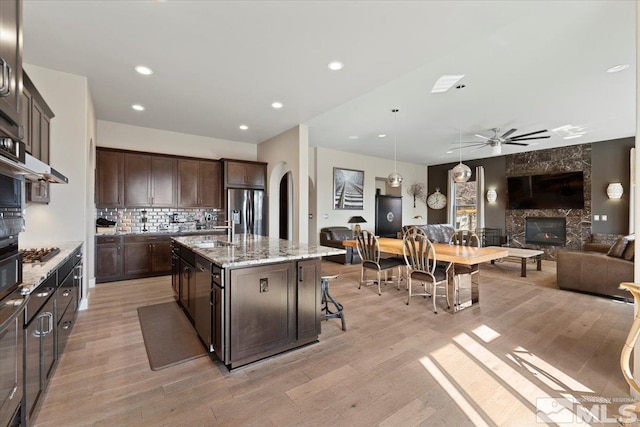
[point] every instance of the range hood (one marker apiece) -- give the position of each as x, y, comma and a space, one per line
32, 169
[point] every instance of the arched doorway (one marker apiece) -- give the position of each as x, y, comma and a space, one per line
285, 207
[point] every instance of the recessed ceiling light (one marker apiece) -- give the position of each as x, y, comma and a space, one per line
137, 107
382, 135
618, 68
277, 105
445, 82
145, 71
336, 66
243, 127
354, 137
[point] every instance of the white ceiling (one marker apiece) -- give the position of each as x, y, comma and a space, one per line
529, 65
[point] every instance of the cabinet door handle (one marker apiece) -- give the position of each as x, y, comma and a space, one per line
66, 325
5, 89
300, 278
66, 293
21, 132
118, 250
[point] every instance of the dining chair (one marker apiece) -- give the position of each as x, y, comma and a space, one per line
369, 251
463, 238
421, 259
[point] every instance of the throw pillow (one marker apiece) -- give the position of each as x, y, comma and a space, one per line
617, 249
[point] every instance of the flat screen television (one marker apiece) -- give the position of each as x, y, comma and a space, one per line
549, 191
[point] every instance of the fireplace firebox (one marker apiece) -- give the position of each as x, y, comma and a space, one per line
550, 231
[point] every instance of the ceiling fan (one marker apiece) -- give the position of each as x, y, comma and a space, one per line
496, 142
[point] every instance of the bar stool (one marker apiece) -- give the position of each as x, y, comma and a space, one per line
326, 298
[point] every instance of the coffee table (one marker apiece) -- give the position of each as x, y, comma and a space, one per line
523, 255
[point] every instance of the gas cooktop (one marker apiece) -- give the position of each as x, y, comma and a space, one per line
38, 255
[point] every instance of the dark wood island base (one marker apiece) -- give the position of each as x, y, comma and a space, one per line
249, 310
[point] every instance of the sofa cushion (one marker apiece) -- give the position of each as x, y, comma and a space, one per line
617, 249
338, 234
629, 251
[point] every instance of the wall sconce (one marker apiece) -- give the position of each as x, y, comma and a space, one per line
615, 190
492, 195
357, 220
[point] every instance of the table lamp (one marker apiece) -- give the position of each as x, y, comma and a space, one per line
357, 220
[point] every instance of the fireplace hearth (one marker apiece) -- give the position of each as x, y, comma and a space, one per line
549, 231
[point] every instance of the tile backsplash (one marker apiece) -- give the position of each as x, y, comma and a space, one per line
131, 220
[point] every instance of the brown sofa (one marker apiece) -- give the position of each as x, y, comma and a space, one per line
437, 233
599, 269
333, 237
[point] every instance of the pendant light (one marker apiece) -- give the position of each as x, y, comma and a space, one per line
461, 172
394, 179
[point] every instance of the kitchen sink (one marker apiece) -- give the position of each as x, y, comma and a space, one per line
212, 244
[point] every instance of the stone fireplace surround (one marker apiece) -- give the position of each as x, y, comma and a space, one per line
555, 160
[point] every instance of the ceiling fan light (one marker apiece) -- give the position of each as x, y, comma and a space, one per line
496, 150
461, 173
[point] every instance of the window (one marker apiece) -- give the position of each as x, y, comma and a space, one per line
465, 208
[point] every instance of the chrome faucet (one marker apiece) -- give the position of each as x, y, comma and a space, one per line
232, 231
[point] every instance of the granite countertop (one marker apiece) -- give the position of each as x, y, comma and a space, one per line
166, 232
35, 273
250, 249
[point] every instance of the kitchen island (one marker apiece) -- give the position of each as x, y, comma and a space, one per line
250, 298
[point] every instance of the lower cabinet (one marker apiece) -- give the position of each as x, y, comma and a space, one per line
39, 345
188, 287
49, 317
131, 257
262, 309
147, 256
109, 265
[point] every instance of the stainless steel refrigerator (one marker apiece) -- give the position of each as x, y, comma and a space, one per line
248, 210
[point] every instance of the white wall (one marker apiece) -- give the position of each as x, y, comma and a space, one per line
64, 218
90, 219
324, 162
288, 152
136, 138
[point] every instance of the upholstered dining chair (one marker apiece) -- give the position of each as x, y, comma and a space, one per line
369, 251
420, 256
463, 238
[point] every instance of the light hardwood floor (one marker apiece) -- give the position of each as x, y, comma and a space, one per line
396, 365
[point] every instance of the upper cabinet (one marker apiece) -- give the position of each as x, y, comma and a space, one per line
199, 183
239, 174
11, 67
109, 179
149, 181
36, 116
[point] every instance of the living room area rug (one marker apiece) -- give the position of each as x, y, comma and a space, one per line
168, 336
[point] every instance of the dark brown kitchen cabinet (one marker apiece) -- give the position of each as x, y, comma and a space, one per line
188, 287
109, 258
149, 181
308, 304
146, 256
109, 179
25, 116
10, 67
198, 184
262, 310
36, 116
239, 174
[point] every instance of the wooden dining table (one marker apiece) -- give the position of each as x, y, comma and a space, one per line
464, 296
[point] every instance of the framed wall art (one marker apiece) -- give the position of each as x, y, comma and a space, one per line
348, 189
